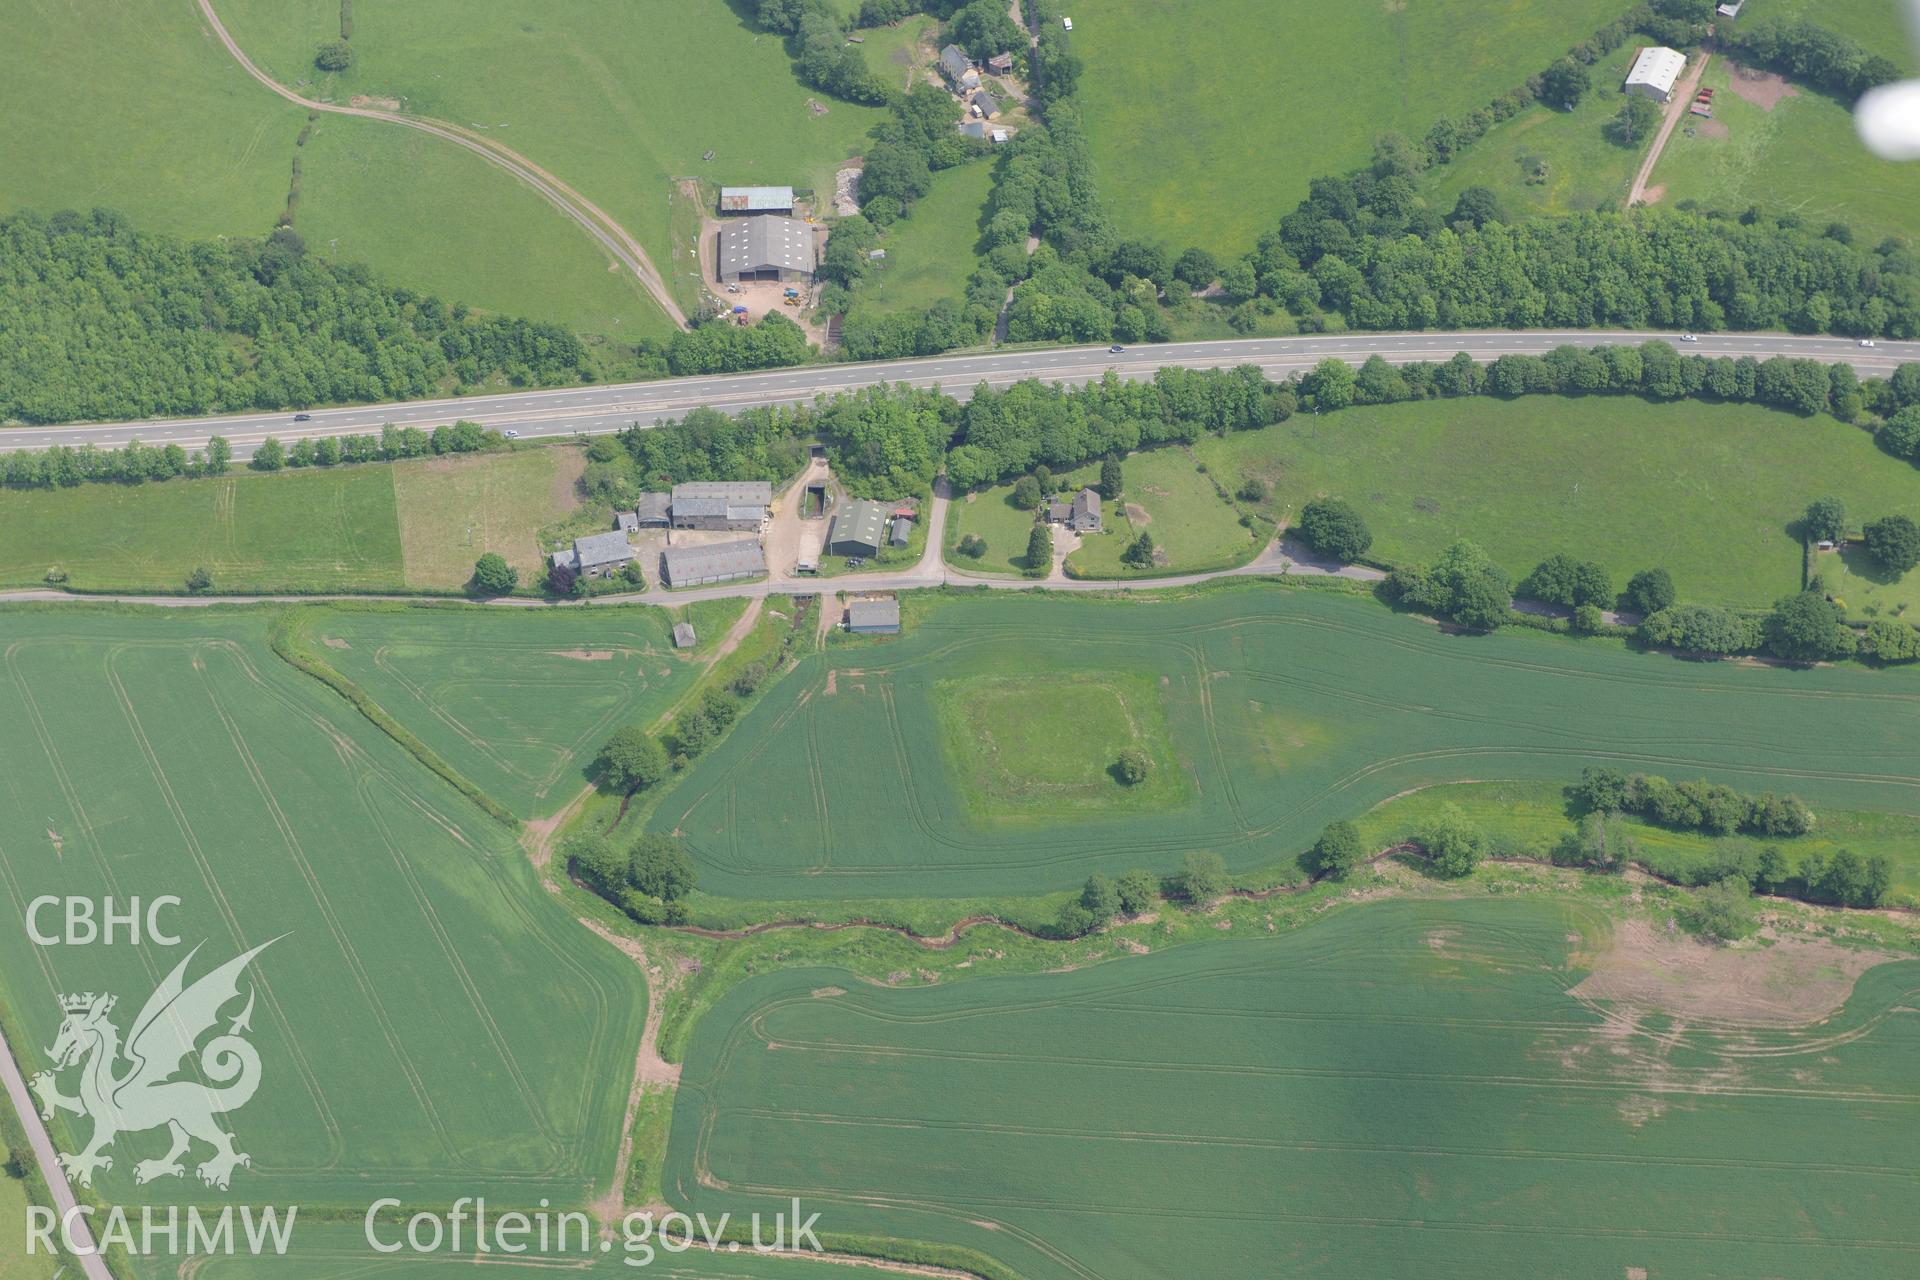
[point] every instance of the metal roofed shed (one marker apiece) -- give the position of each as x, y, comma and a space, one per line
683, 636
766, 248
721, 504
858, 529
756, 200
1655, 71
902, 531
874, 617
654, 511
720, 562
973, 129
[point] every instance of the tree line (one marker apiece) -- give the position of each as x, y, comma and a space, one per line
107, 322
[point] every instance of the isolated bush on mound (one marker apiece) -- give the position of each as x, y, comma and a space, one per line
334, 55
1452, 842
631, 760
493, 576
1723, 910
1138, 890
1203, 878
1133, 766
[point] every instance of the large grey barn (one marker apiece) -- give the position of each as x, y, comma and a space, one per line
720, 562
858, 529
766, 248
721, 504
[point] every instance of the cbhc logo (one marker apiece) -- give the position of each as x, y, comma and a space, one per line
105, 921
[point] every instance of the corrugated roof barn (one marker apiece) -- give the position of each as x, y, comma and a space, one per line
766, 248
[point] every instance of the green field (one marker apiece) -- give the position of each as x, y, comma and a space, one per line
1208, 118
1802, 156
1583, 170
519, 700
615, 97
1707, 490
431, 1023
414, 525
1871, 22
1420, 1085
1193, 528
302, 531
15, 1264
1285, 709
139, 109
930, 255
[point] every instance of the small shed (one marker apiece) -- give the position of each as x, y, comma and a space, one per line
973, 129
985, 104
901, 532
626, 521
1000, 63
874, 617
683, 636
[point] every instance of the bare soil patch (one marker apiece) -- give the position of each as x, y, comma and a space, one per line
1653, 194
365, 100
1792, 981
1764, 89
334, 642
1713, 129
1137, 516
583, 655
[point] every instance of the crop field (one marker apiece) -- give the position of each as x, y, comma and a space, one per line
1707, 490
930, 255
1165, 494
1545, 160
1872, 23
139, 109
616, 98
301, 531
519, 700
1208, 118
1285, 709
1448, 1082
430, 1022
1801, 155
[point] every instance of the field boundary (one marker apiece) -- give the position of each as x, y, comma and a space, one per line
288, 641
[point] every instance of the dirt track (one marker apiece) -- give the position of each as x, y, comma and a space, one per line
591, 218
1676, 107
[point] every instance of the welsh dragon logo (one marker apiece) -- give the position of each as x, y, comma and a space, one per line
140, 1085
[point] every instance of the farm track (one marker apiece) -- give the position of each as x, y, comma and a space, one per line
596, 222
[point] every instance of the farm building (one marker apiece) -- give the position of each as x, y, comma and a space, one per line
874, 617
655, 510
736, 200
599, 555
721, 562
985, 106
973, 129
766, 248
958, 69
1654, 73
683, 636
1000, 63
902, 531
721, 504
626, 521
858, 529
1086, 512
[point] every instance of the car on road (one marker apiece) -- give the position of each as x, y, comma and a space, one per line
1688, 337
1866, 342
303, 417
511, 435
1116, 350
